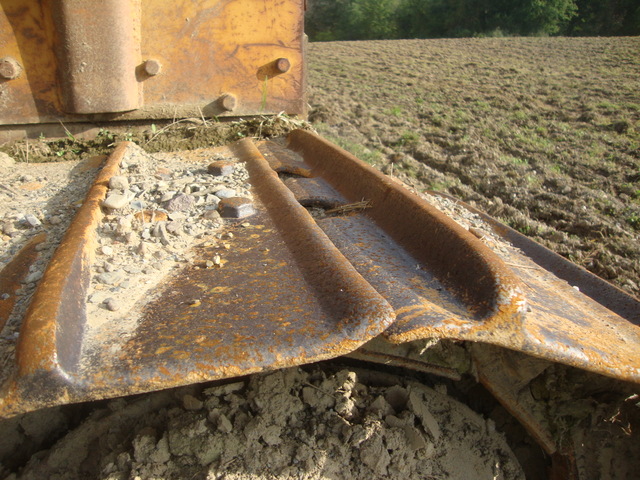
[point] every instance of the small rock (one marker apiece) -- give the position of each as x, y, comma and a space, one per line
191, 403
166, 196
394, 422
224, 425
137, 205
117, 200
236, 207
417, 406
8, 228
119, 182
212, 200
110, 278
106, 250
112, 304
180, 203
124, 225
55, 220
415, 440
32, 220
160, 231
144, 444
211, 215
225, 193
381, 406
33, 277
130, 238
6, 160
221, 168
174, 227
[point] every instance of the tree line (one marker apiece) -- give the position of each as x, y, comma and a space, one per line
387, 19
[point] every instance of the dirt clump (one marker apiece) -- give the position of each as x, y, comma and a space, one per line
294, 423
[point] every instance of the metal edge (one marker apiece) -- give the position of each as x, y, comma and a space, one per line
475, 273
596, 288
57, 307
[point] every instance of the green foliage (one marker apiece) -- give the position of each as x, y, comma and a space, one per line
385, 19
605, 18
352, 19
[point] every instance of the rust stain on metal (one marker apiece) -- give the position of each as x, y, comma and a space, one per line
455, 256
290, 298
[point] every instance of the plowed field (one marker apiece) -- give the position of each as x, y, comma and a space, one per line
542, 133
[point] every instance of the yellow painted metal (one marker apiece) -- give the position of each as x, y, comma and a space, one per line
189, 57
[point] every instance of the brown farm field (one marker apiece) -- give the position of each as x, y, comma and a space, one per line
541, 133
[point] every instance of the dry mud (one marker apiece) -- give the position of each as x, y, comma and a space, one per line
543, 133
290, 424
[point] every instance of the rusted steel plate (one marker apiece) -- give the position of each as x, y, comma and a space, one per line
475, 295
166, 60
287, 297
299, 288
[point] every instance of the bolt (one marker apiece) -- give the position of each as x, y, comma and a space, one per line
9, 68
228, 102
152, 67
283, 65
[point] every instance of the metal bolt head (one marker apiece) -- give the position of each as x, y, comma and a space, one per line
283, 65
9, 68
228, 102
152, 67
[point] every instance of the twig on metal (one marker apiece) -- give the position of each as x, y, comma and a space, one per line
351, 207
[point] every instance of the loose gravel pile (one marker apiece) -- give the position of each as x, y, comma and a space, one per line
157, 209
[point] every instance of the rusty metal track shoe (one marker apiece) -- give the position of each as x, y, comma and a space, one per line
299, 288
